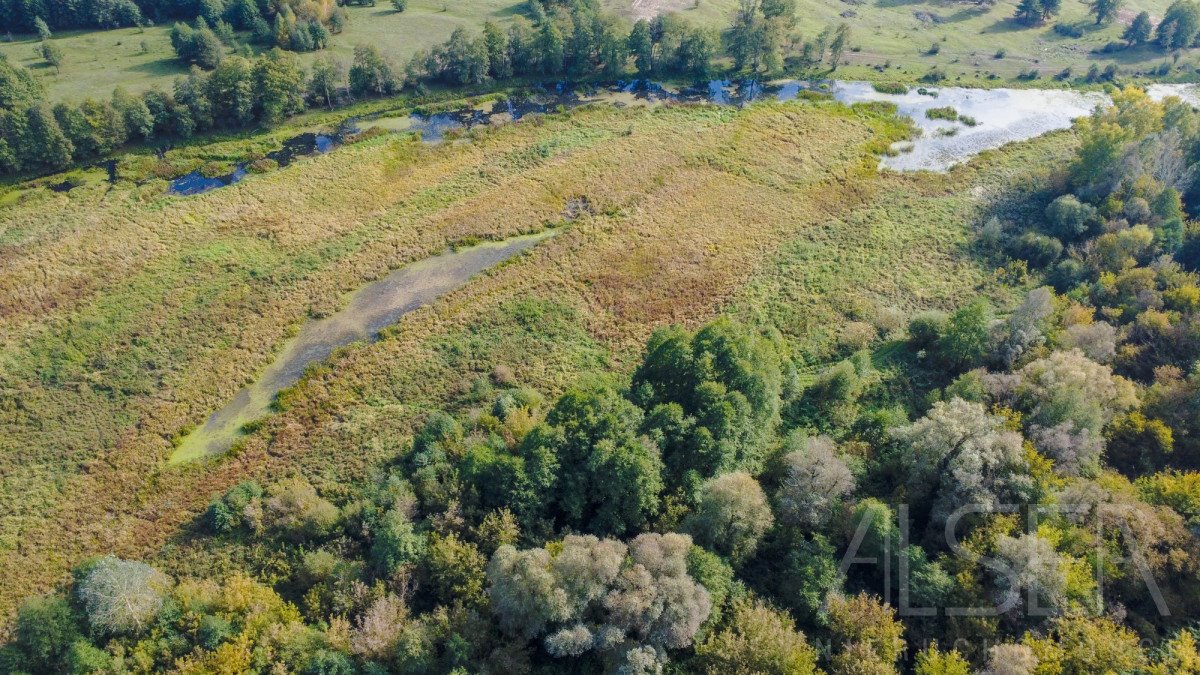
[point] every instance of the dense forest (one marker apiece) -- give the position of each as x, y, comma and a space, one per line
998, 489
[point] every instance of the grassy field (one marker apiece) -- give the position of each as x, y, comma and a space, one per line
130, 316
98, 61
898, 34
890, 39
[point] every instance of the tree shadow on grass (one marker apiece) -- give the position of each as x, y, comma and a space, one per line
165, 66
1009, 25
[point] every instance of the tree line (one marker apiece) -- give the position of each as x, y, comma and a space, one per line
232, 89
23, 15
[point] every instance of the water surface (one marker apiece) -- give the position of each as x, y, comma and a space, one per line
196, 183
371, 309
1001, 116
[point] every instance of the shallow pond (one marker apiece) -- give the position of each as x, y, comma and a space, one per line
1189, 93
370, 309
988, 119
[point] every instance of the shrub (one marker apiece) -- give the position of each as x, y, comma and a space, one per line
1069, 30
934, 75
294, 509
926, 328
943, 113
45, 629
1038, 250
228, 512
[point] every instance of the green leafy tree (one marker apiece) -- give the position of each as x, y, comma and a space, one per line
499, 58
466, 59
327, 77
1105, 10
641, 46
590, 465
748, 38
966, 339
231, 90
397, 543
550, 48
370, 73
400, 5
139, 122
43, 141
279, 85
45, 628
53, 54
18, 87
837, 46
732, 515
1179, 25
42, 30
714, 398
696, 52
1139, 32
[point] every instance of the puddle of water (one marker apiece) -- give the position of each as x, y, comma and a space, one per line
370, 310
196, 183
